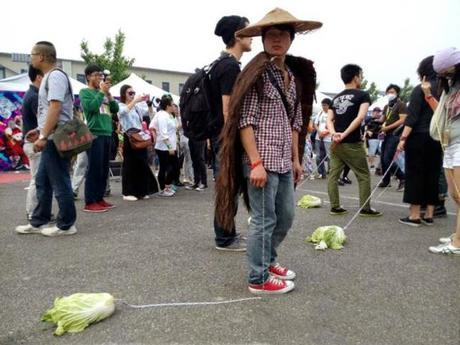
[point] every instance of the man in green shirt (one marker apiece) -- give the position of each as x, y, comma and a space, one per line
97, 104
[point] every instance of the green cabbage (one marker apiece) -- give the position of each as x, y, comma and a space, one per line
330, 236
308, 201
75, 312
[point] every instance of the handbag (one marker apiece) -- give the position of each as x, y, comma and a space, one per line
139, 139
74, 136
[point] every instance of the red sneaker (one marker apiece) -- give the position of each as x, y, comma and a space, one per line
106, 204
272, 286
281, 272
95, 208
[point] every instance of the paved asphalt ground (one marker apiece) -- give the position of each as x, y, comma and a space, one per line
384, 287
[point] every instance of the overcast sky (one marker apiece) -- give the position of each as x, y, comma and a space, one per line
387, 38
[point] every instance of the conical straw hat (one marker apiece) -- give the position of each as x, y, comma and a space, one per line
276, 17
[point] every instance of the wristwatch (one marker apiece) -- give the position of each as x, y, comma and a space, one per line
42, 137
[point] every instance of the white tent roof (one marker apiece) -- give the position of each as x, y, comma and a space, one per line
21, 82
141, 87
380, 102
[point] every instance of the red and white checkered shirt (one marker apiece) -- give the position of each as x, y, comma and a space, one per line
272, 126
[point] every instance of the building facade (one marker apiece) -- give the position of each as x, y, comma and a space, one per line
12, 64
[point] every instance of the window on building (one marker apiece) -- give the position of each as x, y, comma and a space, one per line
2, 72
81, 78
181, 87
165, 86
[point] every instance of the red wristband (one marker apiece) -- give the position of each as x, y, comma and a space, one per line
256, 163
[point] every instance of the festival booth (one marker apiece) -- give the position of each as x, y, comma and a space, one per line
141, 87
12, 91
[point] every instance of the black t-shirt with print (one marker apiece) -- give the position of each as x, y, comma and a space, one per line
346, 108
223, 77
392, 111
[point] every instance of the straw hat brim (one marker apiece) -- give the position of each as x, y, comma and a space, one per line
300, 26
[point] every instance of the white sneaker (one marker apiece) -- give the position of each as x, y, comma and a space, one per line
445, 248
29, 229
55, 231
166, 193
129, 198
446, 240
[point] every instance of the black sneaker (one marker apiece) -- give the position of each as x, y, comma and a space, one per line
401, 186
346, 180
338, 211
239, 245
370, 213
384, 185
410, 222
427, 221
191, 187
378, 171
440, 212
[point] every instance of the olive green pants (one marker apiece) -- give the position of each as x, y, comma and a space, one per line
353, 155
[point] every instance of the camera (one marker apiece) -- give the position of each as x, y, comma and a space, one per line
106, 76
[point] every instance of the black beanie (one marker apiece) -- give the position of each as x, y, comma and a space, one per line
227, 26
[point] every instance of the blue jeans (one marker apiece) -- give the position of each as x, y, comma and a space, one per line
53, 176
98, 169
389, 146
272, 214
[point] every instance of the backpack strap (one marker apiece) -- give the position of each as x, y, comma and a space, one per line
68, 81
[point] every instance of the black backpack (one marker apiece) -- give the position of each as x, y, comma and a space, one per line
199, 121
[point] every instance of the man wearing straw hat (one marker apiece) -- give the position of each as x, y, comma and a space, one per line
270, 103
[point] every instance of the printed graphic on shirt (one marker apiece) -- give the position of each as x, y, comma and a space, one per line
342, 103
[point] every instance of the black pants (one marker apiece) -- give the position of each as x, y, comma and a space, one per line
423, 158
389, 146
197, 149
168, 168
98, 169
137, 179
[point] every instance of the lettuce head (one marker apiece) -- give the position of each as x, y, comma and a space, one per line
76, 312
330, 236
309, 201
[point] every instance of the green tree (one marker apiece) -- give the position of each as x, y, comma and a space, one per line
406, 90
111, 59
372, 89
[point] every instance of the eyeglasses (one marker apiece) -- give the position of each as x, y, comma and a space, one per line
131, 93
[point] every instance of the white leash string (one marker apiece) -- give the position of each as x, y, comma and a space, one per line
263, 233
369, 198
186, 304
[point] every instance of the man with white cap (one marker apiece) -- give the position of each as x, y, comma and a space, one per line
271, 101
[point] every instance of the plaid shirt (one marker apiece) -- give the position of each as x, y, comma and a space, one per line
272, 126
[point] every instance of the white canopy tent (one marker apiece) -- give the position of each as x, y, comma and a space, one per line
380, 103
21, 82
141, 87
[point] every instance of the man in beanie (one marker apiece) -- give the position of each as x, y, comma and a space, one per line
98, 104
271, 100
223, 76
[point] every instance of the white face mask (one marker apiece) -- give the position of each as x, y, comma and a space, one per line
391, 97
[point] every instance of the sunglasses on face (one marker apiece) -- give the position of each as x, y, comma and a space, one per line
131, 93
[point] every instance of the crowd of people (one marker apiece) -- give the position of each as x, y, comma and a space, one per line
261, 142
